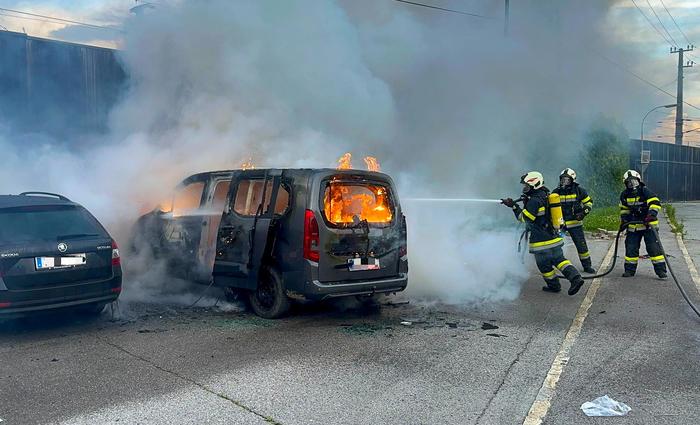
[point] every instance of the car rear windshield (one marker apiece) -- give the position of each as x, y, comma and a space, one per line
346, 203
47, 222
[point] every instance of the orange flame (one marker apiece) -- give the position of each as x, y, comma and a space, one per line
248, 164
343, 202
372, 164
345, 162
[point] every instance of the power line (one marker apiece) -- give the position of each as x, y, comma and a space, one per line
651, 23
662, 24
444, 9
674, 21
53, 18
637, 76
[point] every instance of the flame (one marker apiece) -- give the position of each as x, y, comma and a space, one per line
372, 164
248, 164
345, 162
342, 202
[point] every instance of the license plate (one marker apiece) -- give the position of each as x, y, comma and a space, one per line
359, 264
73, 260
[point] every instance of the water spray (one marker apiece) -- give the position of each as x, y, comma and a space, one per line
491, 201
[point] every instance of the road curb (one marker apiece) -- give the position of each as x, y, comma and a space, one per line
688, 259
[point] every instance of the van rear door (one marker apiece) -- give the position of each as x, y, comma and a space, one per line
360, 232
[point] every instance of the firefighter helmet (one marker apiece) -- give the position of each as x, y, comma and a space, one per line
533, 179
631, 174
568, 172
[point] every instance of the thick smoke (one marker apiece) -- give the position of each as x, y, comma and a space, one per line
450, 107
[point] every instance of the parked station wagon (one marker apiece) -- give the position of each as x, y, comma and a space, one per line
283, 234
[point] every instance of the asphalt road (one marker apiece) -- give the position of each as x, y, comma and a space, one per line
343, 364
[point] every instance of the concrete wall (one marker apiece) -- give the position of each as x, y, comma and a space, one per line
56, 88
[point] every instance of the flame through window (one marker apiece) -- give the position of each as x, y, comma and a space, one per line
343, 201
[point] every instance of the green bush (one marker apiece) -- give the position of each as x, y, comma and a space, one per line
604, 159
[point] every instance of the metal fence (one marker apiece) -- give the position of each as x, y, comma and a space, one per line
673, 172
57, 88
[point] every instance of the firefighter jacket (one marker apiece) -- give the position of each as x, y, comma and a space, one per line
636, 204
574, 200
536, 216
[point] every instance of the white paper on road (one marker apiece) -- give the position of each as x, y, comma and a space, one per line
605, 406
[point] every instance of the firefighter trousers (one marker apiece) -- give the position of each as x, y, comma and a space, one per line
579, 239
549, 261
633, 241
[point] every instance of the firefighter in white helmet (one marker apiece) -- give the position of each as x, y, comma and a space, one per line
576, 204
545, 242
639, 205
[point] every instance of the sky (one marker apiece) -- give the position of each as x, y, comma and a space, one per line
640, 48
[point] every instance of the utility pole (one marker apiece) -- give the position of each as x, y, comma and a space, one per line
506, 21
679, 90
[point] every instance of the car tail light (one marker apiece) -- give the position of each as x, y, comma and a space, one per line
116, 259
311, 237
4, 304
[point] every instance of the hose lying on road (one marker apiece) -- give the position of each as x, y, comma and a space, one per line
663, 251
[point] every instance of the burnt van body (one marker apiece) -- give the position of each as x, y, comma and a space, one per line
281, 234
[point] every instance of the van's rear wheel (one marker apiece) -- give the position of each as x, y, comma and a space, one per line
269, 299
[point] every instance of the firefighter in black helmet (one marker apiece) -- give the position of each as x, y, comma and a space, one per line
575, 205
639, 204
545, 241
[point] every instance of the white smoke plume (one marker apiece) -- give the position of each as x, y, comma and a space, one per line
450, 107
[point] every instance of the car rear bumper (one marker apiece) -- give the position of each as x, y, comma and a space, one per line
321, 290
14, 302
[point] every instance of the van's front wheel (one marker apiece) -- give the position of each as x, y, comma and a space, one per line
269, 299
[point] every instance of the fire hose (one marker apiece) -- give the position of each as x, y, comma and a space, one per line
623, 227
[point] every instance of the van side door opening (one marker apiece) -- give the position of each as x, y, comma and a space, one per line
244, 236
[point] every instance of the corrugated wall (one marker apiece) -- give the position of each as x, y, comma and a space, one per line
674, 171
61, 89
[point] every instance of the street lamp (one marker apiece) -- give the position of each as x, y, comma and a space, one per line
673, 105
641, 135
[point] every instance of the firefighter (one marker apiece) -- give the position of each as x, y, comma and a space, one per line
545, 241
640, 206
575, 205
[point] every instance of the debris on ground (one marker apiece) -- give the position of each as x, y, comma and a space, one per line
151, 331
497, 335
406, 323
488, 326
362, 328
605, 406
396, 304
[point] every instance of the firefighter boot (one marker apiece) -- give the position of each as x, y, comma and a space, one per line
553, 285
576, 285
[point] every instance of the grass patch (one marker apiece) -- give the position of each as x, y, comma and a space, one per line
607, 218
676, 226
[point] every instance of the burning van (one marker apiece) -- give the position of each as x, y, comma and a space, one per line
280, 235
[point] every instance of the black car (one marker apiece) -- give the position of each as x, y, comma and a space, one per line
277, 235
54, 254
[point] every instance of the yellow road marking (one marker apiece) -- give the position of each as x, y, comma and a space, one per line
543, 401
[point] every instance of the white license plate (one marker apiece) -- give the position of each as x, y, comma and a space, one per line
355, 264
72, 260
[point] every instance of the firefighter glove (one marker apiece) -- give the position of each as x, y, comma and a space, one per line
508, 202
649, 218
580, 215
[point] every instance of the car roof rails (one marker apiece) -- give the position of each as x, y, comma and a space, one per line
55, 195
